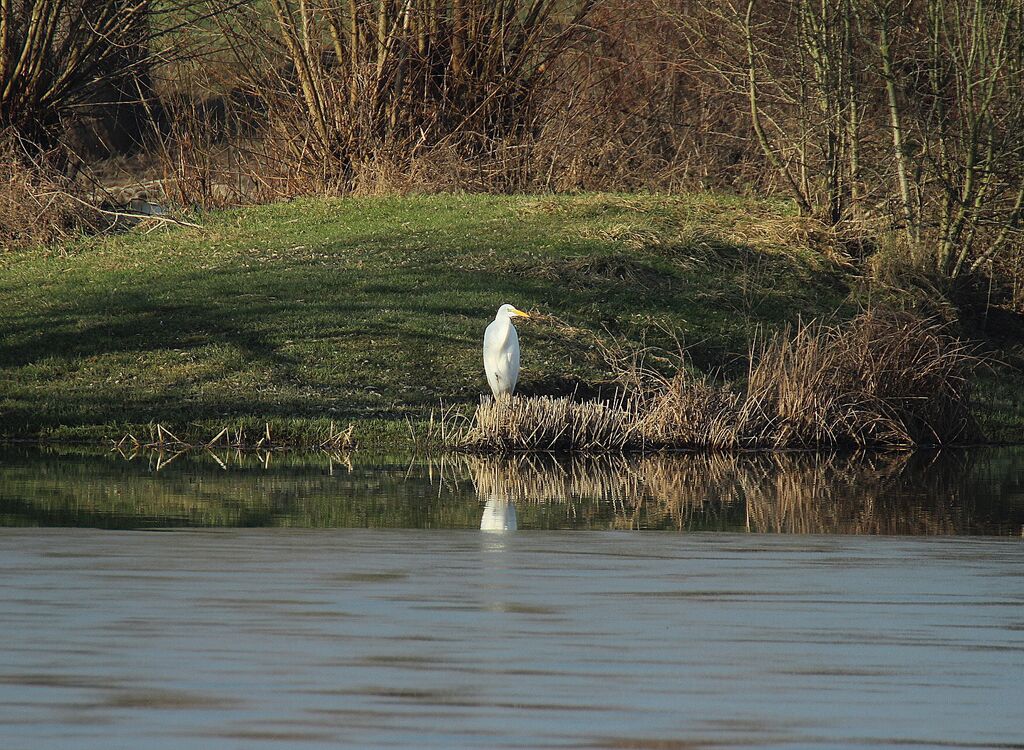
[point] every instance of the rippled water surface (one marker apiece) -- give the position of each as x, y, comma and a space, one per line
413, 638
564, 633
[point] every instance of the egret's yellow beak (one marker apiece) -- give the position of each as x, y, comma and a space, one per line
519, 313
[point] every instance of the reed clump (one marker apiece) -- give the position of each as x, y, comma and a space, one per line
884, 379
684, 412
525, 423
880, 380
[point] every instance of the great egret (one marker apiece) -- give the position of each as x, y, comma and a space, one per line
501, 351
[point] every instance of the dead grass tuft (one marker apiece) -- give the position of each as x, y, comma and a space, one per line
883, 379
690, 413
545, 423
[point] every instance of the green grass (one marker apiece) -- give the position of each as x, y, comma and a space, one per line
372, 310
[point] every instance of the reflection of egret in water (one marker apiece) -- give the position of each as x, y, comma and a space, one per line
612, 490
499, 515
499, 509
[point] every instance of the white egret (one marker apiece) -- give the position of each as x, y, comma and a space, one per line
501, 351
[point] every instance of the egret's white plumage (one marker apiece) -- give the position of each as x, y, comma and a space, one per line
501, 351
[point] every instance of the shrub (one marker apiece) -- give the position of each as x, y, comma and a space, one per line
354, 91
57, 56
38, 205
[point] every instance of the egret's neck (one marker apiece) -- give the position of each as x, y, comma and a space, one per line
504, 325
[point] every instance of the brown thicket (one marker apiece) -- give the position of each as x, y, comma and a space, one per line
62, 60
897, 117
881, 379
38, 205
378, 94
904, 111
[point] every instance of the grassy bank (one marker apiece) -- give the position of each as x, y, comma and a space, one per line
372, 310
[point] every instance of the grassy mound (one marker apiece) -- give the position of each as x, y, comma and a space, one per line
372, 310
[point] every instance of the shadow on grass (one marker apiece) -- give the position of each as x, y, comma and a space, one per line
357, 336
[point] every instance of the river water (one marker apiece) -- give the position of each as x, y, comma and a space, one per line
143, 608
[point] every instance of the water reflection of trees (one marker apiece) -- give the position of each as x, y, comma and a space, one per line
809, 493
880, 493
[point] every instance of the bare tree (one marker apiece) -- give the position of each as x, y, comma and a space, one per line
57, 57
345, 80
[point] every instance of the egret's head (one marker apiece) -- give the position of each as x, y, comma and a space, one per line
510, 311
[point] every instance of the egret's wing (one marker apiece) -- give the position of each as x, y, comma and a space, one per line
511, 355
491, 343
493, 364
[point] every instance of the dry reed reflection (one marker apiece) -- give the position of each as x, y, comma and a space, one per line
805, 493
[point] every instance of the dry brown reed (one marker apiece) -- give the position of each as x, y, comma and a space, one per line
882, 379
160, 438
519, 423
689, 413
